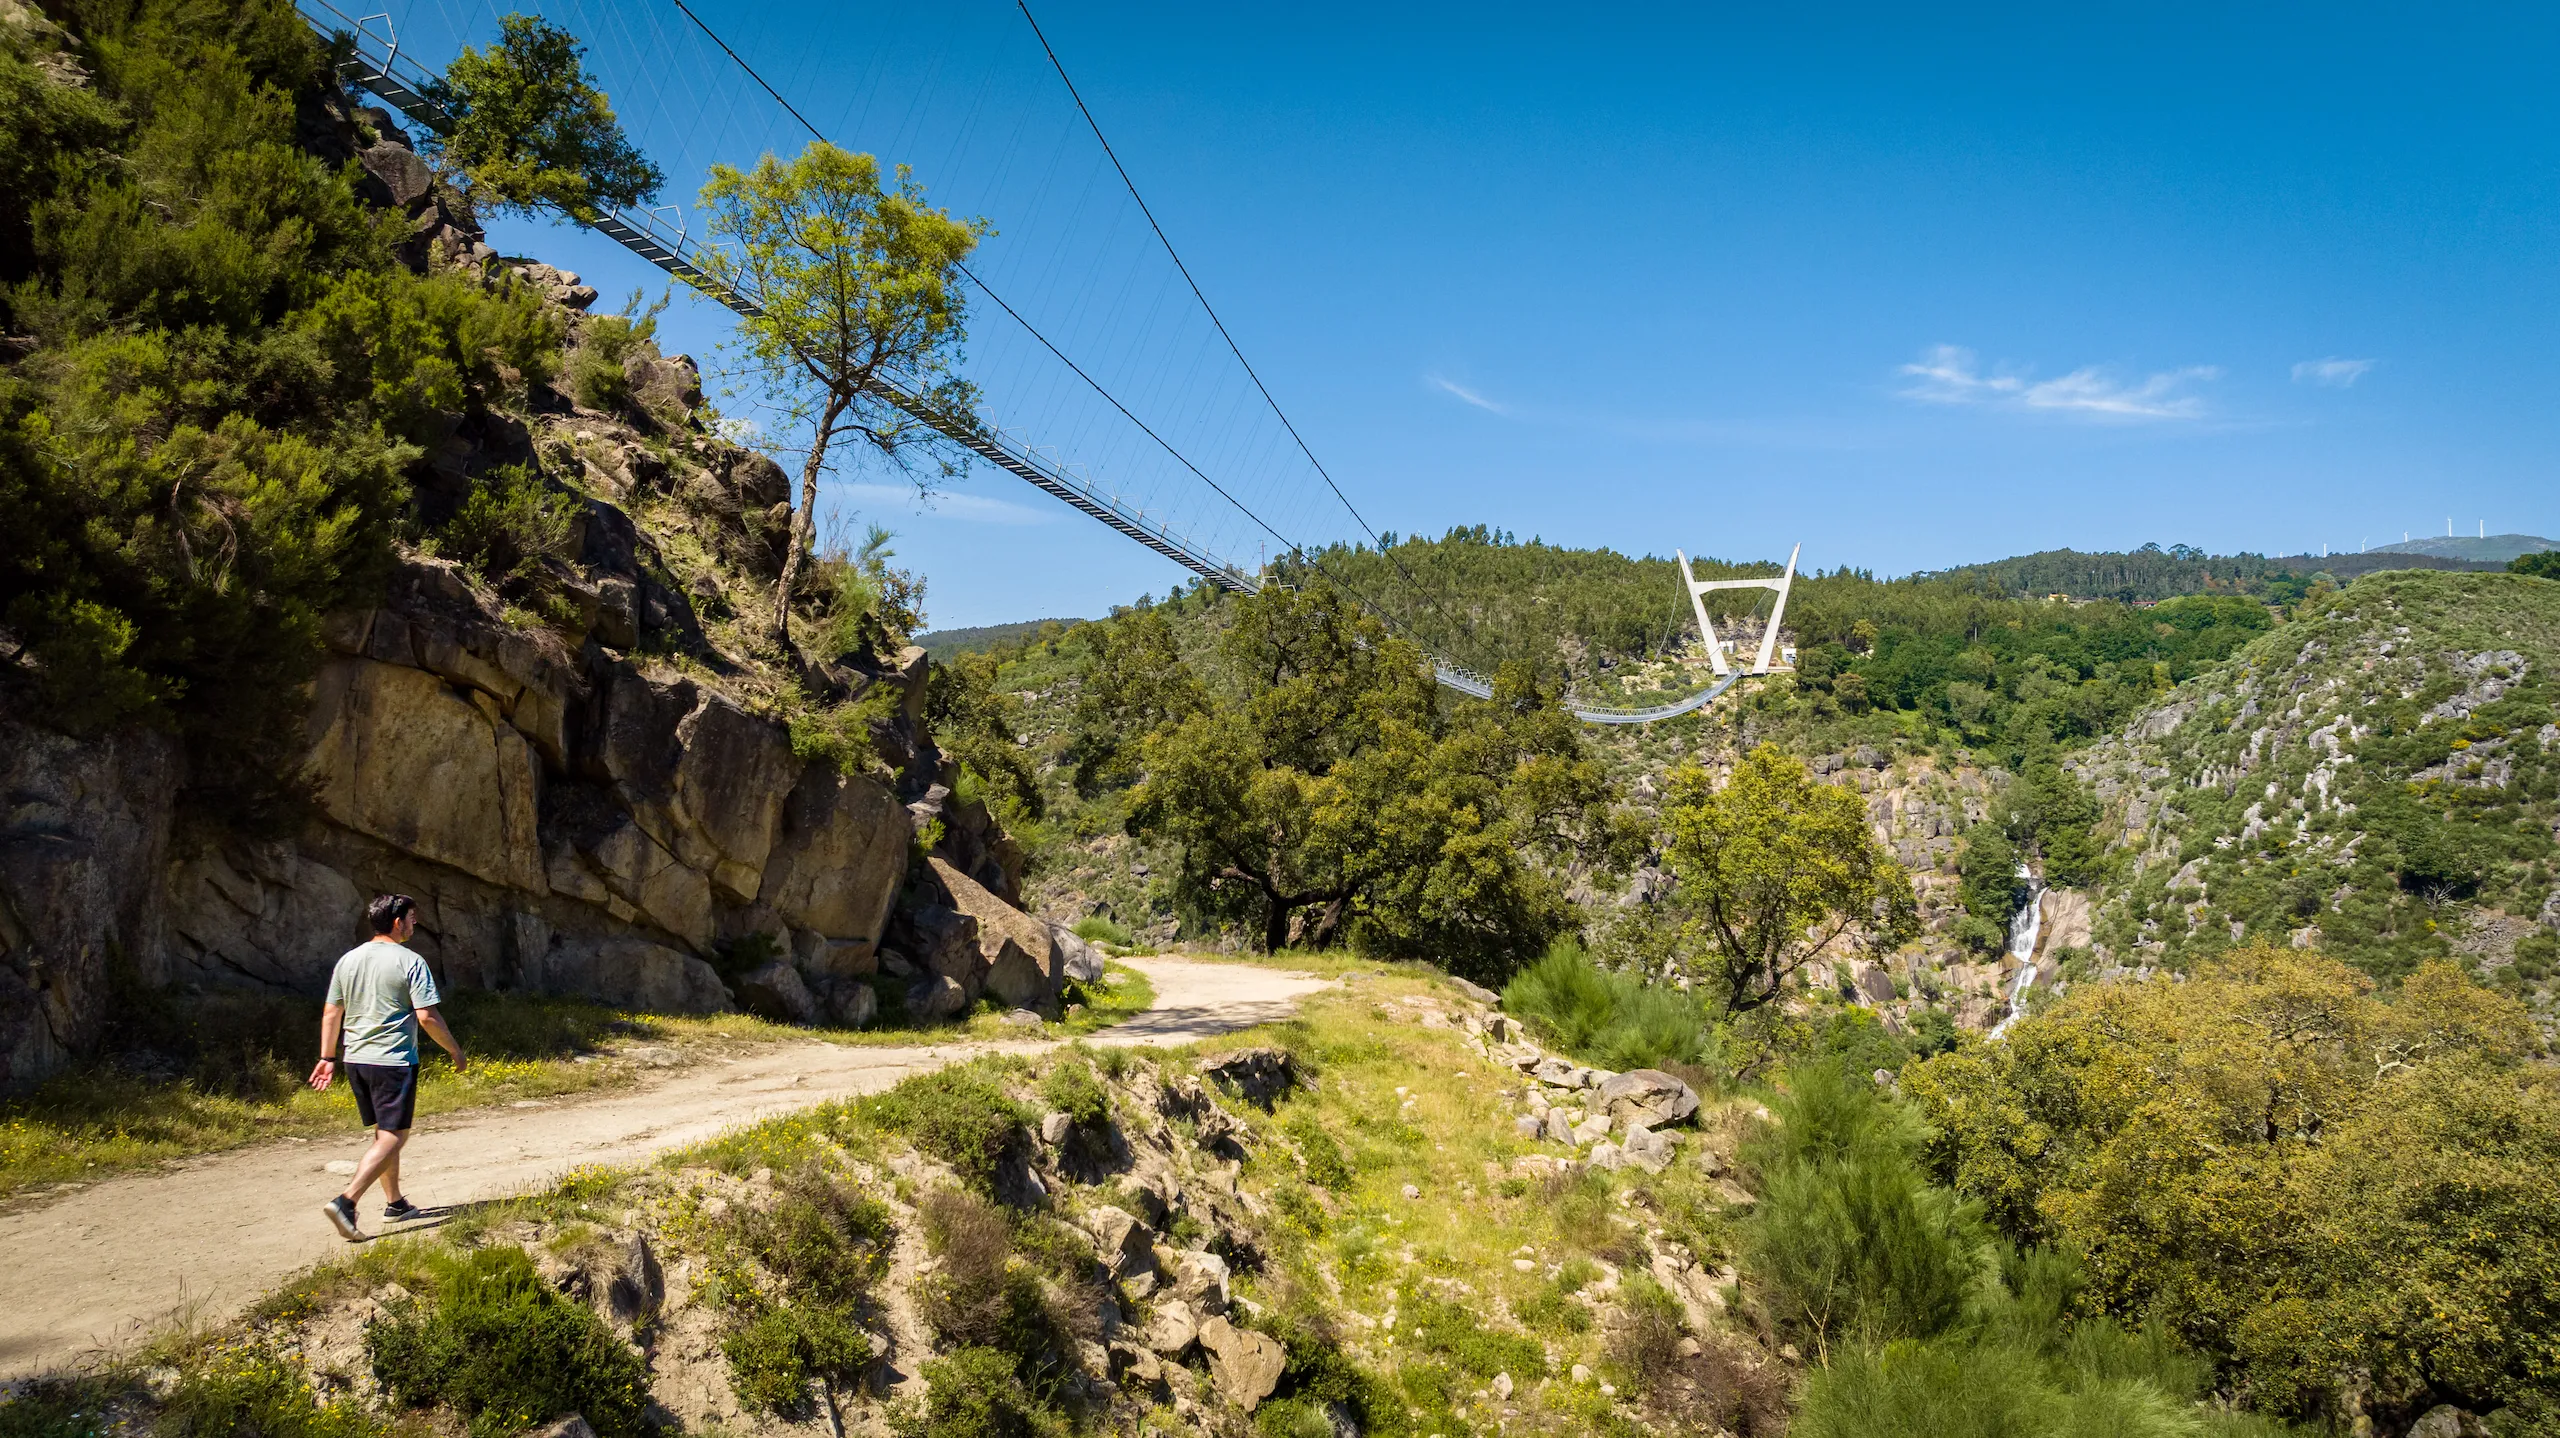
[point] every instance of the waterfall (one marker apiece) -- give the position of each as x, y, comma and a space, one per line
2025, 927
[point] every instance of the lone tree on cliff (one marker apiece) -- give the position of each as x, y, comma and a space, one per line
858, 284
532, 130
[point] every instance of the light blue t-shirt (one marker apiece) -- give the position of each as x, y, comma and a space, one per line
382, 986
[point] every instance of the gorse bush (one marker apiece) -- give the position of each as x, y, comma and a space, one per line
596, 372
973, 1393
508, 1352
1095, 929
511, 527
823, 1244
1071, 1089
987, 1296
959, 1115
1613, 1020
1849, 1241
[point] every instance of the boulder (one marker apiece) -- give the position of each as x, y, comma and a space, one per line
1592, 1129
1247, 1365
1200, 1279
1119, 1239
936, 997
83, 823
1171, 1328
2446, 1421
941, 940
733, 776
403, 758
400, 171
1477, 992
1557, 1070
1079, 962
774, 991
1261, 1074
1015, 946
1649, 1095
845, 1002
837, 862
1647, 1150
1559, 1126
1875, 985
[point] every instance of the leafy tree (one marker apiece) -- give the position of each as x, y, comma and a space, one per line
532, 130
1250, 791
1321, 794
1777, 867
2542, 565
856, 284
2293, 1174
1135, 684
979, 724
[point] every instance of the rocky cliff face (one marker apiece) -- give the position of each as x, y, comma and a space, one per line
603, 799
586, 822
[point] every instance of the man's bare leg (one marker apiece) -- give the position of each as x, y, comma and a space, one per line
381, 1161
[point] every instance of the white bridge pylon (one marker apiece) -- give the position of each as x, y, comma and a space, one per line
1707, 630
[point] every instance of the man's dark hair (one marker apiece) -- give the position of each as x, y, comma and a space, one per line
387, 910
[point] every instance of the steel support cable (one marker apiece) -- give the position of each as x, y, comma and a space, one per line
948, 427
411, 101
1211, 310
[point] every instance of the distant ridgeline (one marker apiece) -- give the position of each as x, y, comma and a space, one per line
2151, 572
942, 644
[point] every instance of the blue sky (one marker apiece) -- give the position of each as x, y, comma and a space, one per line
1912, 289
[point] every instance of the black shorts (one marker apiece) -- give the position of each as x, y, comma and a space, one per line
386, 1094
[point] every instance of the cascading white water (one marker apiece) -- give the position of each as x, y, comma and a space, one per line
2025, 927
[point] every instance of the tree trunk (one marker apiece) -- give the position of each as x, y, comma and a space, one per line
804, 520
1275, 921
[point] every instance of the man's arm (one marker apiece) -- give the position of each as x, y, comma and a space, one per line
431, 1018
333, 1020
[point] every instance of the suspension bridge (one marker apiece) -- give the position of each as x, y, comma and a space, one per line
372, 59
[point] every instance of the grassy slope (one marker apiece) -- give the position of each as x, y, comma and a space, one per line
1489, 1269
2231, 802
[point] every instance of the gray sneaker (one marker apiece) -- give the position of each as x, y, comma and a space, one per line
401, 1212
342, 1217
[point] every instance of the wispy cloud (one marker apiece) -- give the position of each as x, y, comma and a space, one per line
1450, 386
945, 504
1951, 374
2333, 372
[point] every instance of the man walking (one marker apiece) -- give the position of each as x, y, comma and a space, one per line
380, 995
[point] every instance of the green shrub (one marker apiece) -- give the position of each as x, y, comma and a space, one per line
595, 373
780, 1350
985, 1297
973, 1393
1095, 929
1072, 1090
1956, 1388
508, 1352
1461, 1335
253, 1392
959, 1115
1849, 1241
1611, 1019
825, 1240
511, 527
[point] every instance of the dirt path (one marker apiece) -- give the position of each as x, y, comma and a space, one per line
98, 1268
